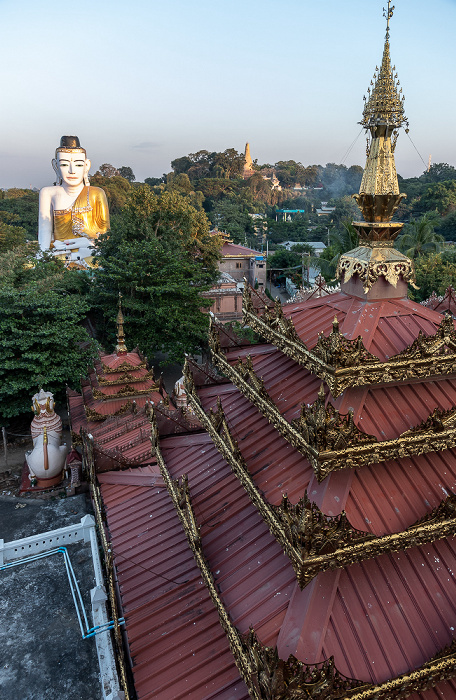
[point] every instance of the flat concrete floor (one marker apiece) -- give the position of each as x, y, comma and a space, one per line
43, 655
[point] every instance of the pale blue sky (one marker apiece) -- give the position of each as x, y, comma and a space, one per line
144, 82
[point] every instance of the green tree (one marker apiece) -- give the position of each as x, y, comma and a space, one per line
10, 236
233, 218
346, 210
126, 172
340, 242
419, 237
23, 205
43, 306
446, 227
440, 197
160, 256
434, 273
439, 172
107, 170
283, 260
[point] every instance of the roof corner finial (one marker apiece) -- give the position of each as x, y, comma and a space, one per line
121, 348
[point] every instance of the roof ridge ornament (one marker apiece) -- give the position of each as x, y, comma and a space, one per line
121, 348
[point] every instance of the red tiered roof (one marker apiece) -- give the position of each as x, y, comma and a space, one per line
178, 647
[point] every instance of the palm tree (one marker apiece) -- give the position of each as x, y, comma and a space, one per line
419, 236
340, 241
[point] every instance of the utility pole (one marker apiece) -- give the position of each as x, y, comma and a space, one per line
429, 163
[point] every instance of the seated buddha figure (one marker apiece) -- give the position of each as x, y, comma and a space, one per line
72, 213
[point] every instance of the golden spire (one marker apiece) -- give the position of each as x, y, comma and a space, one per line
121, 348
379, 195
384, 105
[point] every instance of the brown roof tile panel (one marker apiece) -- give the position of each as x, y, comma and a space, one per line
178, 647
393, 613
386, 326
390, 497
255, 579
276, 466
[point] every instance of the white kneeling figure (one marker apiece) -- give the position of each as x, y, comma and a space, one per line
47, 458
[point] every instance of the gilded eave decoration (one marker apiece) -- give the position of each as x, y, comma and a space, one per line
331, 440
126, 378
123, 367
275, 679
122, 393
266, 675
370, 270
313, 541
92, 415
344, 363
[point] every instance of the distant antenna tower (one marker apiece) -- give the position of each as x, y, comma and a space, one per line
429, 163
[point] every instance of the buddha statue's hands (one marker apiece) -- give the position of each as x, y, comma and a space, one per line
72, 243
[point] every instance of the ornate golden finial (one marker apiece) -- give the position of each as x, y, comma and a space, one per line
387, 14
379, 195
121, 348
384, 106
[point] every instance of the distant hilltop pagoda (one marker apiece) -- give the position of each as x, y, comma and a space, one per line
248, 164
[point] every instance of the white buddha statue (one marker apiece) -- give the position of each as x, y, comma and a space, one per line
72, 213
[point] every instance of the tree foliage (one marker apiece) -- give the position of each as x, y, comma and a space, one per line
160, 256
42, 309
23, 205
126, 172
340, 241
419, 237
435, 272
116, 189
107, 170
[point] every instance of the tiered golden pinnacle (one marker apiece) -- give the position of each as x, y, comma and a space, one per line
379, 195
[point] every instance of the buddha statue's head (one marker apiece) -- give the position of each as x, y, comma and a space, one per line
70, 163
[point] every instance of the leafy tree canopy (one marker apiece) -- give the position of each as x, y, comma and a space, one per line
439, 172
283, 259
160, 256
107, 170
340, 241
42, 309
435, 272
126, 172
23, 204
419, 236
10, 236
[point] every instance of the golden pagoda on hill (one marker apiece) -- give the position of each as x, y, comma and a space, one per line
302, 544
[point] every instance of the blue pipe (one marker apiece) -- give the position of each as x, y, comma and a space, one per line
74, 587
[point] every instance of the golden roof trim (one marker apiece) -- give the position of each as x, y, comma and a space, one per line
370, 262
330, 440
92, 415
126, 378
125, 391
302, 530
344, 363
124, 367
260, 666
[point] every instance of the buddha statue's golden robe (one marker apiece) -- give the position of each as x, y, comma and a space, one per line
89, 216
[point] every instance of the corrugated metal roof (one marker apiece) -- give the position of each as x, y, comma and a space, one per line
382, 498
386, 326
178, 647
379, 618
254, 577
393, 613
